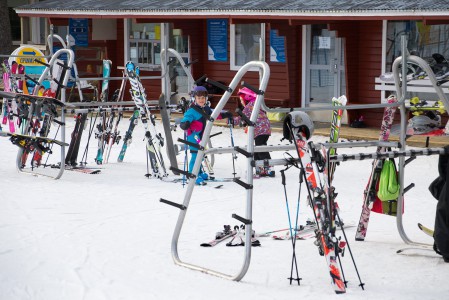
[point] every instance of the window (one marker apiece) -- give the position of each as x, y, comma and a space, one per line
246, 44
422, 40
143, 44
425, 40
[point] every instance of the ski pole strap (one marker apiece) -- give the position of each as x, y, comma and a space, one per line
241, 219
219, 85
203, 113
258, 92
180, 206
244, 117
191, 144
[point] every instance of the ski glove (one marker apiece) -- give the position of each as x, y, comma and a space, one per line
195, 126
184, 125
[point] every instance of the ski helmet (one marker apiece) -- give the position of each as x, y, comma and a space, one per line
298, 121
424, 123
247, 95
199, 91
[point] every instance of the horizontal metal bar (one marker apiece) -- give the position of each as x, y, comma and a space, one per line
96, 103
222, 150
389, 154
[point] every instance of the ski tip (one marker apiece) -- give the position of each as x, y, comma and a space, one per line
205, 245
420, 226
219, 186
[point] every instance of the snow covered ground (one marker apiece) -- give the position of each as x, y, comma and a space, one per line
107, 236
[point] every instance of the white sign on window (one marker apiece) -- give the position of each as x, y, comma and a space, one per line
324, 42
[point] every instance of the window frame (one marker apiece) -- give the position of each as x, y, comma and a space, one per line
232, 64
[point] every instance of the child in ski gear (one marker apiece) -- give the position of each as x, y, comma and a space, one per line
262, 128
194, 123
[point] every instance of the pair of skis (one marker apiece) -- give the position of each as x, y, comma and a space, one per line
154, 140
371, 188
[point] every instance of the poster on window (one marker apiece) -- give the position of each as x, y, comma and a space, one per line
277, 47
79, 30
217, 39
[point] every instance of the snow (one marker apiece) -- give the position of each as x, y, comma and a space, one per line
107, 236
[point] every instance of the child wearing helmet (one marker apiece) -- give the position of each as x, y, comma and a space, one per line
262, 129
194, 123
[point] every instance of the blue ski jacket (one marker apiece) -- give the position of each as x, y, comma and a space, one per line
194, 133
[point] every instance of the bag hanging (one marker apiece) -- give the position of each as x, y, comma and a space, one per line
388, 183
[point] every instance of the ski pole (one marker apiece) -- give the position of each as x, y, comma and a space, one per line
234, 156
350, 251
294, 262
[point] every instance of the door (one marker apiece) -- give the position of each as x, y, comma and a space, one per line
324, 70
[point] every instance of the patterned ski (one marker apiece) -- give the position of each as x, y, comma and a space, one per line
128, 135
220, 237
155, 141
322, 201
370, 191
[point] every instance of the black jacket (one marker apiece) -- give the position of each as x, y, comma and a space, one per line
440, 190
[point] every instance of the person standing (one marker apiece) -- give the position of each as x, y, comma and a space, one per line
193, 123
262, 129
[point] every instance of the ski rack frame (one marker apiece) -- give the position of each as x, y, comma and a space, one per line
165, 98
63, 82
401, 91
265, 74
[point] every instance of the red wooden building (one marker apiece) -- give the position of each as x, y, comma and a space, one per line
315, 49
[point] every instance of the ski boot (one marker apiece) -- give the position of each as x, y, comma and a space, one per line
221, 234
204, 175
257, 175
200, 181
267, 172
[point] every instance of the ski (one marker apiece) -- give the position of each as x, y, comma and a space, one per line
83, 170
322, 200
220, 237
154, 140
335, 128
128, 135
426, 230
304, 231
370, 190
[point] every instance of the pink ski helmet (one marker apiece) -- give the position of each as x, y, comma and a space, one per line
247, 95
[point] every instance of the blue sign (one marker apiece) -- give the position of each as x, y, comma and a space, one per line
79, 29
277, 47
217, 39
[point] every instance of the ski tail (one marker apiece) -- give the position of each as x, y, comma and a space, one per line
426, 230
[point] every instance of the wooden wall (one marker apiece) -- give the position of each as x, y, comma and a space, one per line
363, 45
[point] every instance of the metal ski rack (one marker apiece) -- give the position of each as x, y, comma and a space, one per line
62, 85
247, 220
165, 98
401, 90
